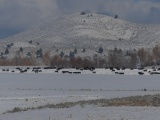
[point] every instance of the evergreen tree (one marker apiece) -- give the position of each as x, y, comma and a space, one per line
39, 53
61, 54
30, 42
28, 54
6, 51
71, 54
100, 50
116, 16
83, 13
21, 49
84, 50
75, 51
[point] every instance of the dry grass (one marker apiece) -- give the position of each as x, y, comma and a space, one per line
126, 103
147, 100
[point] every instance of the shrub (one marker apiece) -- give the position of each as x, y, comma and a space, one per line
56, 50
37, 43
28, 54
83, 13
30, 42
12, 44
16, 109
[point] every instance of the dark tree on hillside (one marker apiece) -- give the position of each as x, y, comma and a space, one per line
39, 53
6, 51
21, 49
1, 54
83, 13
84, 50
128, 53
71, 54
56, 50
37, 43
8, 46
61, 54
30, 42
116, 16
12, 44
75, 51
100, 50
28, 54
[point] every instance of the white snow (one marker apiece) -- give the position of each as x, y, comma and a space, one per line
31, 90
88, 113
75, 30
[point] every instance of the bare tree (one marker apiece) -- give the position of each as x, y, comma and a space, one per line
142, 54
133, 60
46, 58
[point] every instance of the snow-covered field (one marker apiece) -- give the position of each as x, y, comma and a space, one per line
33, 90
88, 113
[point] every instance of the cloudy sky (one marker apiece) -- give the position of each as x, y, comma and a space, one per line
18, 15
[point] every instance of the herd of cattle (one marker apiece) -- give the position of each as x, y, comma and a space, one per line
89, 70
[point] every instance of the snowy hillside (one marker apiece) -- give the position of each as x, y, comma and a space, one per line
89, 31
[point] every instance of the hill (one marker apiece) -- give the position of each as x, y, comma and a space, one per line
89, 31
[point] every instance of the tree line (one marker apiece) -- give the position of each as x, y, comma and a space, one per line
114, 58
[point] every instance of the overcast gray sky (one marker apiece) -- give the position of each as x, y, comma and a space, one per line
18, 15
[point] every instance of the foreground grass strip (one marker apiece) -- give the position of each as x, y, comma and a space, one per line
147, 100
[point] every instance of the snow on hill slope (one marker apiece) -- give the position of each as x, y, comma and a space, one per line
89, 31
